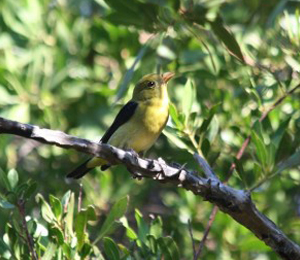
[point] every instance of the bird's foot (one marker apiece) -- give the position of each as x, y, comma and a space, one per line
133, 152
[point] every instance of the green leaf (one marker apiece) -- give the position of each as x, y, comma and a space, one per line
67, 250
50, 251
56, 232
12, 197
86, 250
156, 227
240, 171
117, 211
258, 128
66, 199
125, 251
277, 136
13, 178
189, 97
46, 210
126, 14
4, 180
130, 233
31, 225
261, 150
20, 189
205, 147
82, 219
6, 205
250, 243
123, 6
111, 249
169, 248
56, 206
30, 190
271, 156
285, 147
91, 213
176, 140
206, 122
291, 162
152, 244
175, 4
227, 38
258, 171
68, 203
165, 52
174, 115
143, 228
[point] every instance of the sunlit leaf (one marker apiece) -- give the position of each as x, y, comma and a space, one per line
13, 178
143, 228
56, 205
46, 210
189, 97
82, 219
50, 251
174, 115
116, 212
6, 205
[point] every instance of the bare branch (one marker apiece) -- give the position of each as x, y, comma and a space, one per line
209, 173
207, 229
192, 239
29, 239
236, 203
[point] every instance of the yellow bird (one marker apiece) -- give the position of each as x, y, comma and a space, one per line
139, 122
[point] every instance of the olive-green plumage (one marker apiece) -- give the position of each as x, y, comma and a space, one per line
139, 122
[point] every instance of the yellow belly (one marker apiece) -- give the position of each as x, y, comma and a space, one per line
142, 130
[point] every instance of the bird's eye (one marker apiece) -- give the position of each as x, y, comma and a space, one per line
150, 84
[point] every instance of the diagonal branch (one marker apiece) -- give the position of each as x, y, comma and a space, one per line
236, 203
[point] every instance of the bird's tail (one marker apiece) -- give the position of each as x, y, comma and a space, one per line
87, 166
80, 171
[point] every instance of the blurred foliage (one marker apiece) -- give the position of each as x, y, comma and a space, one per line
69, 65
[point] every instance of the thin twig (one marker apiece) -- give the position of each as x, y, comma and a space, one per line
207, 229
192, 238
29, 239
205, 46
80, 198
279, 101
262, 118
238, 157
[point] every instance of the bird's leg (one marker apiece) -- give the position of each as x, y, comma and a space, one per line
133, 153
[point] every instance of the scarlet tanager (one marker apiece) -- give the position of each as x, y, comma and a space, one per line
139, 122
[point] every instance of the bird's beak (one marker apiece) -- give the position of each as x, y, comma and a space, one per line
167, 76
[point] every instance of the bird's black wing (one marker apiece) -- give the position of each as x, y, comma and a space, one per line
122, 117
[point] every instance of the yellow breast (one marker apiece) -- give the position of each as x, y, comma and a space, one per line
142, 130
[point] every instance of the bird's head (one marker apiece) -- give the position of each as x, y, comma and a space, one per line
151, 86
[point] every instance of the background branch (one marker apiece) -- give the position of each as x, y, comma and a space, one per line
29, 239
239, 155
236, 203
